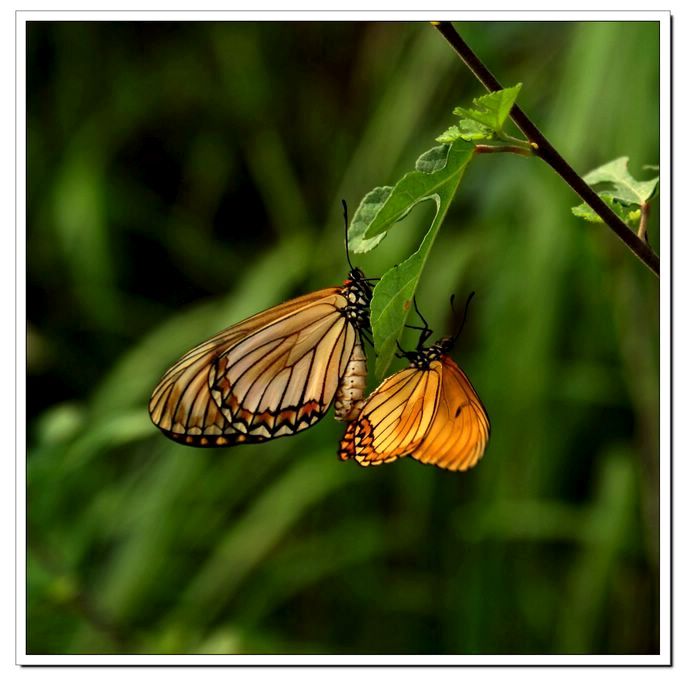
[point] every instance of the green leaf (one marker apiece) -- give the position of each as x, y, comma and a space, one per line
585, 212
629, 214
383, 207
466, 130
474, 131
490, 110
450, 135
431, 161
625, 194
394, 292
364, 216
623, 187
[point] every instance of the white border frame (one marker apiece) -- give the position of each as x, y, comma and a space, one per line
665, 655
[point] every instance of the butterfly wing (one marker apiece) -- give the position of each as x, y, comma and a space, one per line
460, 428
395, 418
268, 376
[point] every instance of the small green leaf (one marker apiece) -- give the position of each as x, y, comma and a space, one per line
474, 131
391, 303
363, 217
432, 174
433, 160
466, 130
625, 195
585, 212
623, 187
633, 216
450, 135
393, 294
629, 214
490, 110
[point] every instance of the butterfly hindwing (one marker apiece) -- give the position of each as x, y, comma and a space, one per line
460, 429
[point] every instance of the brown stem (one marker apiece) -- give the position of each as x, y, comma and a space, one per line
482, 149
549, 154
643, 224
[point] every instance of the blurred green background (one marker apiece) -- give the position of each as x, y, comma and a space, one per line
182, 176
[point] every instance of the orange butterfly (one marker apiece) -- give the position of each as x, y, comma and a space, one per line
429, 410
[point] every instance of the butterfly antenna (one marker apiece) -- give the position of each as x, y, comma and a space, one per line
464, 313
416, 309
345, 222
426, 332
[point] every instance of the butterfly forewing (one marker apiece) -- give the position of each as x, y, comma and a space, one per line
394, 419
283, 377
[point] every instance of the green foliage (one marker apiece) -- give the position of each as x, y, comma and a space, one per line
436, 177
629, 214
364, 216
624, 187
625, 194
486, 120
199, 181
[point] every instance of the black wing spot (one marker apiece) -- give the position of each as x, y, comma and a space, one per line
459, 410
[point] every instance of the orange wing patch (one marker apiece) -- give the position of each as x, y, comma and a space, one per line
460, 431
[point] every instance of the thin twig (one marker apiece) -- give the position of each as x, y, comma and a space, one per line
549, 154
516, 149
643, 223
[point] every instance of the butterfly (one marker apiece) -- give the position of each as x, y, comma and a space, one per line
273, 374
429, 410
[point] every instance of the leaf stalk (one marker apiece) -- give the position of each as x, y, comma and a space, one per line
516, 149
643, 223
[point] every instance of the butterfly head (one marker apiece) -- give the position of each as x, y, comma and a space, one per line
356, 276
442, 347
421, 358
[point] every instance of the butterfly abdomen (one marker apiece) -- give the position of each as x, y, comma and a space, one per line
350, 394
